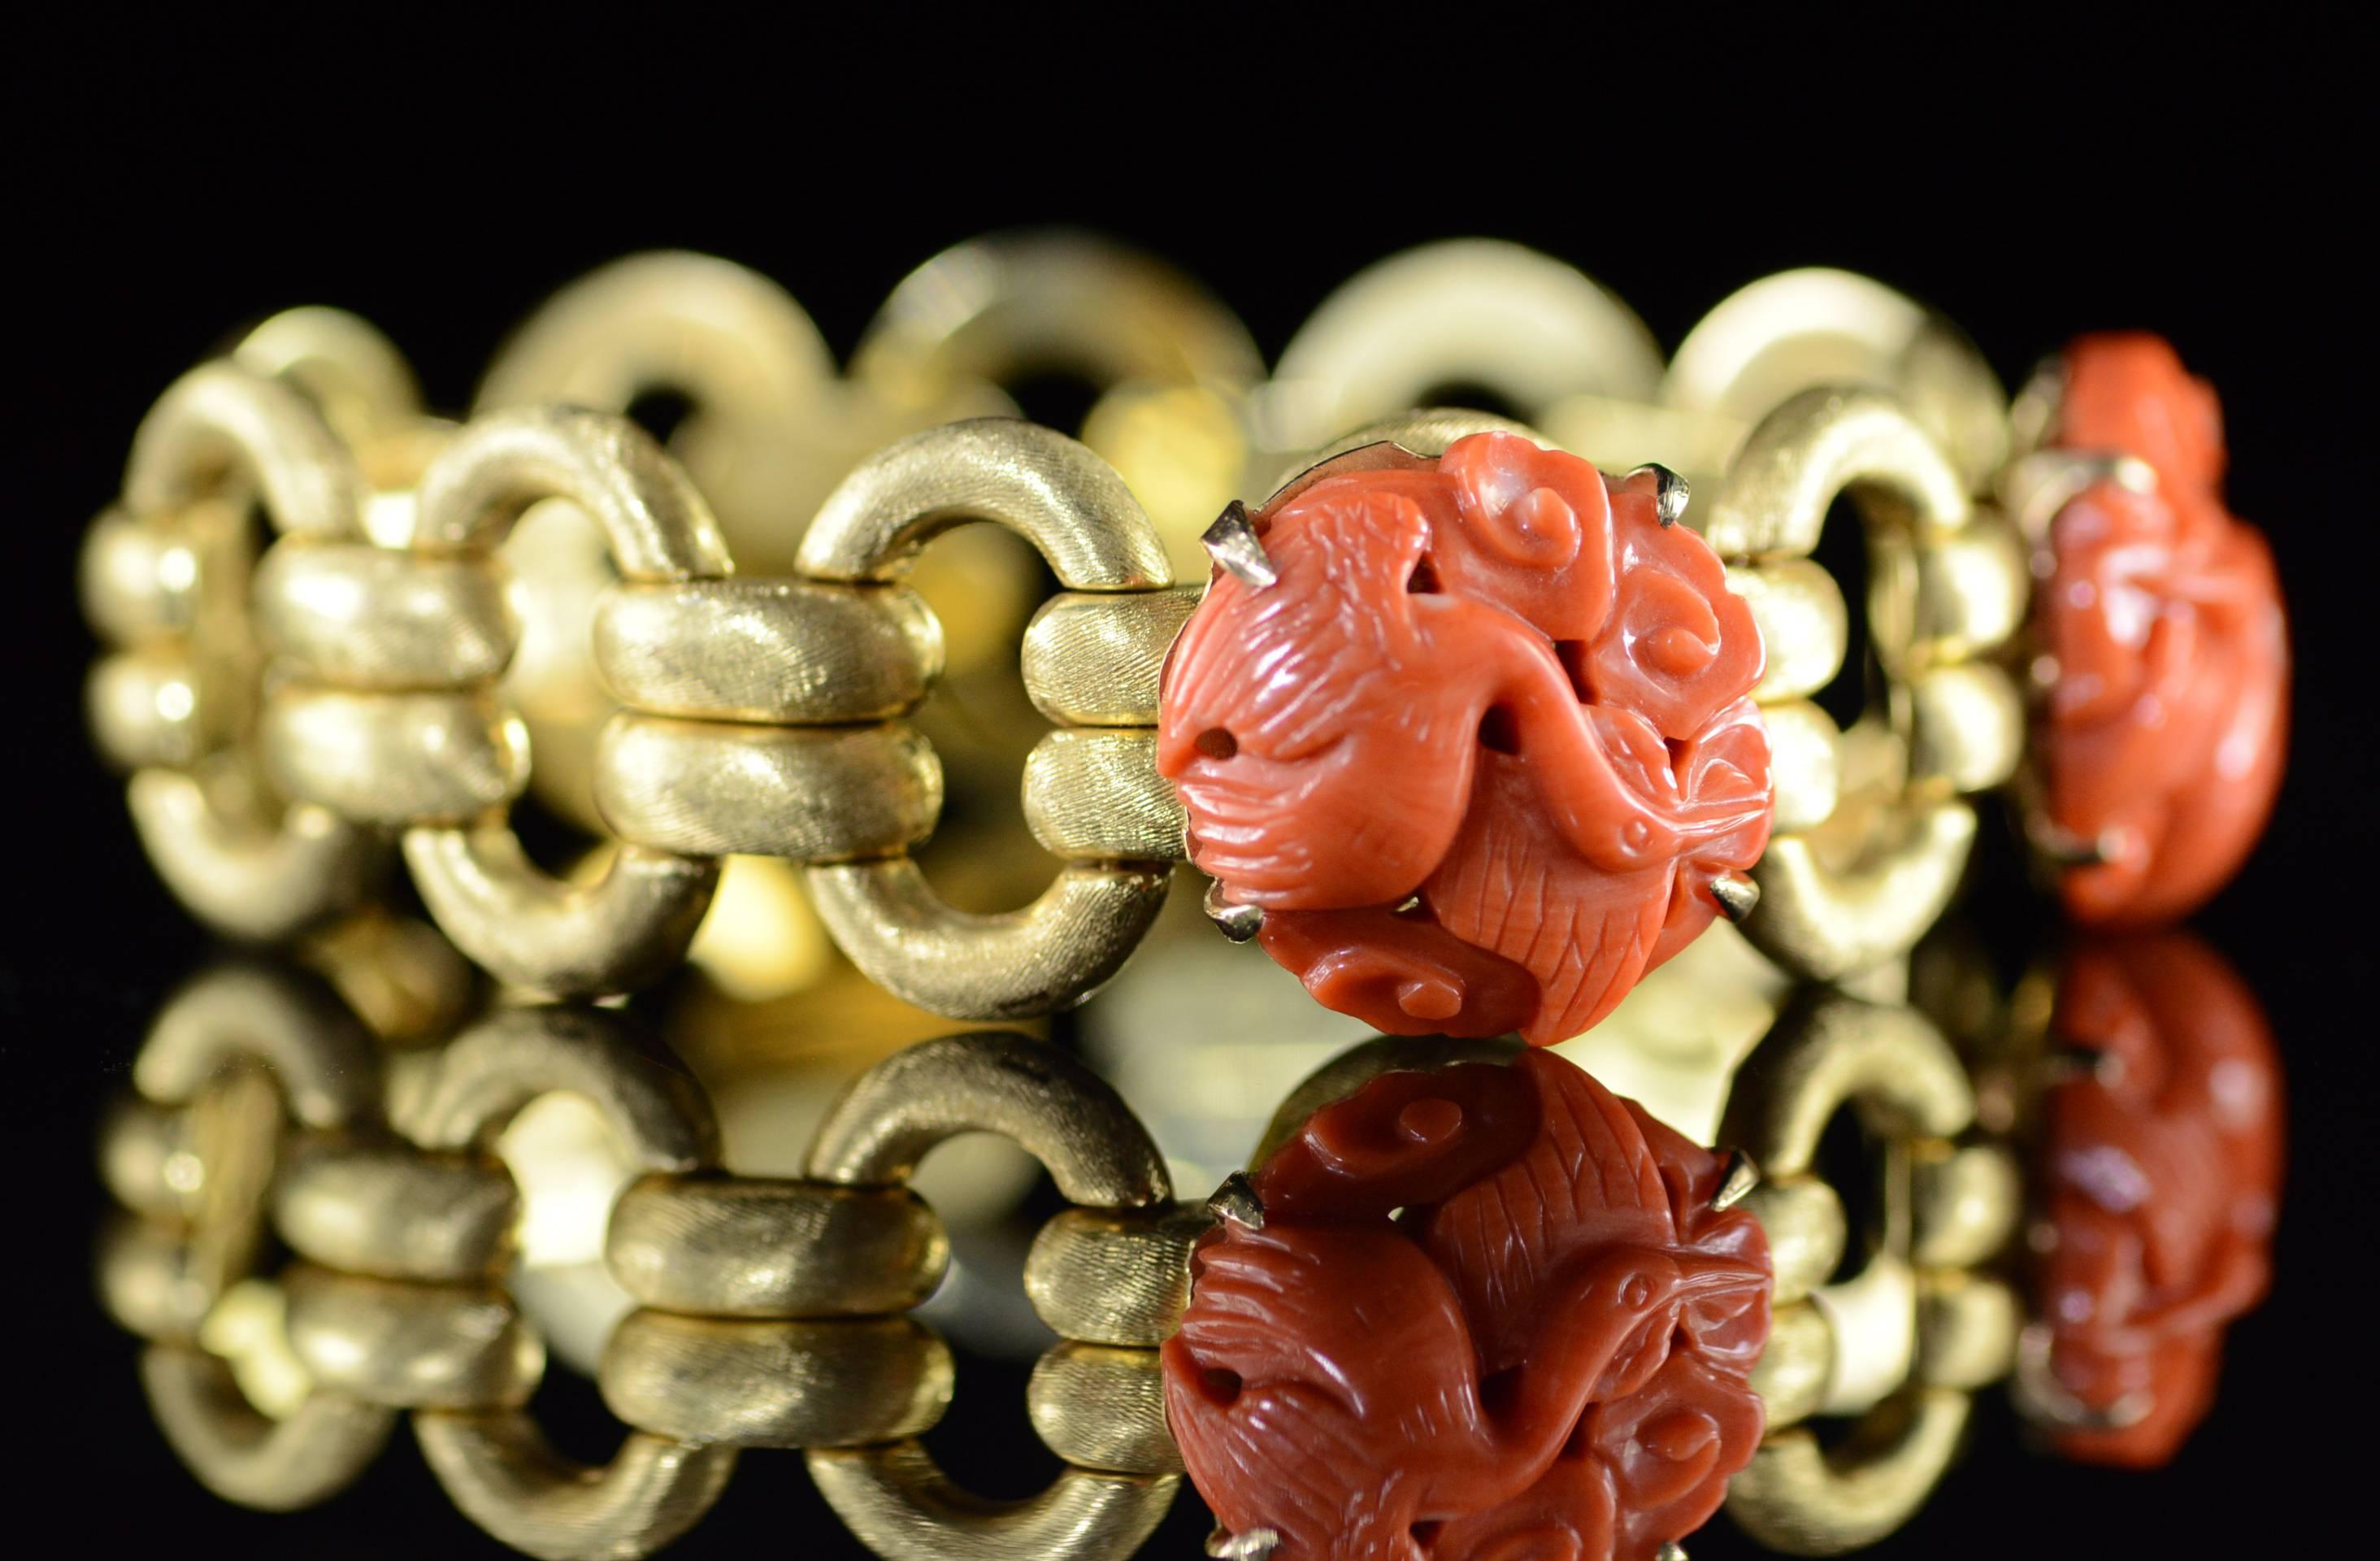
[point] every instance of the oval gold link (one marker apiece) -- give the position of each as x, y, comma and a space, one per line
1093, 659
745, 1247
1067, 1117
1804, 764
1827, 923
388, 1210
905, 1508
140, 579
224, 425
1804, 1217
1783, 333
1016, 964
349, 370
410, 1346
1834, 1051
1964, 1205
1096, 796
1106, 1277
848, 1381
709, 788
1068, 504
155, 706
322, 1061
766, 650
1804, 625
395, 759
503, 462
1821, 442
1098, 1407
626, 930
1467, 311
499, 1469
1967, 1327
1971, 592
487, 1074
243, 1457
146, 1161
1966, 728
359, 617
151, 1283
245, 880
1795, 1365
1800, 1499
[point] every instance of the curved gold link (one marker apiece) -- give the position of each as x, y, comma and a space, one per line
1905, 1078
1096, 796
224, 425
1804, 626
905, 1508
1803, 1501
747, 1247
766, 649
271, 1464
1804, 767
707, 789
1109, 1277
499, 1469
395, 759
1967, 1329
244, 878
361, 616
1100, 1407
319, 1058
1094, 659
411, 1347
361, 382
849, 1382
1796, 1363
385, 1208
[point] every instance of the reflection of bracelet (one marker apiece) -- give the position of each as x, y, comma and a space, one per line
1471, 737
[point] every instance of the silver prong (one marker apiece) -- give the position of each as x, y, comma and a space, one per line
1238, 922
1670, 1551
1232, 542
2065, 848
2048, 481
2041, 1397
1236, 1200
1251, 1545
1736, 895
2068, 1060
1669, 492
1736, 1182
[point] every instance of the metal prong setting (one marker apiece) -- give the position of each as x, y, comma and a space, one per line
1237, 923
2064, 846
2048, 481
1669, 492
1236, 1200
1253, 1544
1232, 542
2065, 1061
2043, 1399
1736, 1182
1670, 1551
1736, 895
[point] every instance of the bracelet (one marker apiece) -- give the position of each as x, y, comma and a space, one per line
1469, 736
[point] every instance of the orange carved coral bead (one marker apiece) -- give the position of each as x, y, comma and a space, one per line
2160, 744
2161, 1175
1471, 733
1488, 1312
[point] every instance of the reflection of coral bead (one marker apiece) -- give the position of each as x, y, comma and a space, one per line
1480, 745
1489, 1307
2160, 1176
2161, 742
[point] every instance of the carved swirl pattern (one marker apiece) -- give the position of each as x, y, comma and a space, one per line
1489, 1313
2162, 739
1481, 750
2163, 1170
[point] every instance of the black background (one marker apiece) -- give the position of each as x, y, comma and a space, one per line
2028, 176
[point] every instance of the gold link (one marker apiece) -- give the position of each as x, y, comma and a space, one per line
141, 579
395, 759
1804, 625
1106, 1277
710, 788
1100, 1407
223, 423
1903, 1075
385, 1208
359, 617
406, 1346
1096, 796
1093, 659
905, 1508
1965, 1202
320, 1059
272, 1465
499, 1469
1971, 594
248, 880
1804, 766
151, 707
1800, 1499
752, 1247
146, 1161
766, 650
359, 380
849, 1382
1010, 965
1967, 727
1795, 1365
151, 1282
1803, 1218
1967, 1327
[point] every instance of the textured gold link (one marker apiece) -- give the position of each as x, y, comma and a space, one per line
1796, 1497
308, 1456
1804, 767
395, 759
766, 649
752, 1248
246, 879
411, 1347
1093, 659
359, 617
499, 1469
1096, 796
1967, 1327
1086, 1398
849, 1382
1115, 1278
513, 1056
1796, 1363
707, 789
1965, 1200
388, 1210
1803, 626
